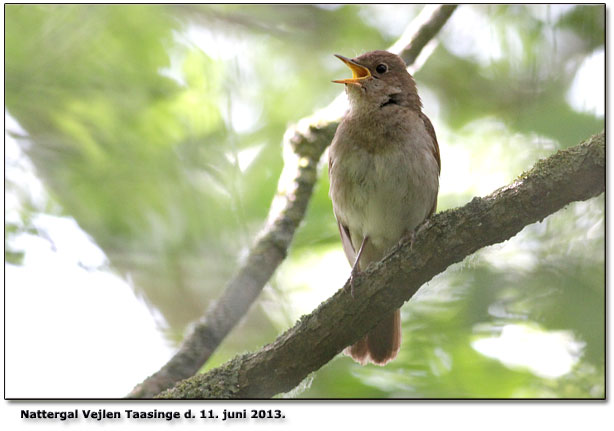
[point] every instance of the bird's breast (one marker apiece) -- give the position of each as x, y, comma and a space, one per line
385, 193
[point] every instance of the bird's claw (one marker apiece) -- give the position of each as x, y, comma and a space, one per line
353, 277
412, 239
414, 233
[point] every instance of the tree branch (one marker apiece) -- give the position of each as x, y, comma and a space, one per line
303, 147
421, 31
577, 173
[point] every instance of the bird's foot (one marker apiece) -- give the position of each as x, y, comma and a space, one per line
353, 276
414, 233
412, 239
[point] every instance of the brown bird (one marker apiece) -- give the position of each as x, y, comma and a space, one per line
384, 176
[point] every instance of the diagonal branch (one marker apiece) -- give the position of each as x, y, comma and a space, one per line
574, 174
421, 31
303, 148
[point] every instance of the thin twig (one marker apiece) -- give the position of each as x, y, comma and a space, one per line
421, 31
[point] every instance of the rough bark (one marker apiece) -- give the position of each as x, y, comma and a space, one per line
574, 174
304, 145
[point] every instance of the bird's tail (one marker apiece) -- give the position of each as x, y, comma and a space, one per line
381, 345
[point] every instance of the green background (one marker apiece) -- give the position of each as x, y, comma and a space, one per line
159, 128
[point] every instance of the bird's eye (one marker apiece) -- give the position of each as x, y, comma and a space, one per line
381, 68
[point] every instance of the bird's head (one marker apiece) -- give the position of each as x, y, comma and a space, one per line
379, 79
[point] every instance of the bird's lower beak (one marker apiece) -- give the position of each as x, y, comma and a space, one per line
359, 73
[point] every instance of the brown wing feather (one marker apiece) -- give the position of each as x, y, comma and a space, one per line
431, 131
346, 241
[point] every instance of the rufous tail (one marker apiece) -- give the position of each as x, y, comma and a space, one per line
381, 345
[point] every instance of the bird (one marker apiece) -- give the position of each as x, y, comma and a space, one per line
384, 167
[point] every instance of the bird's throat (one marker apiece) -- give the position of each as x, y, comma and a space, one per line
393, 99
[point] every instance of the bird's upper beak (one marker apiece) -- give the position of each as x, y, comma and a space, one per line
359, 73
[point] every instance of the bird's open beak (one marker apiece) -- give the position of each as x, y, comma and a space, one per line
359, 73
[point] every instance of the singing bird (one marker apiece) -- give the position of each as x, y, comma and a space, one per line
384, 170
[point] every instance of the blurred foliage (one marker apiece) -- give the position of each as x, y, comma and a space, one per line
158, 129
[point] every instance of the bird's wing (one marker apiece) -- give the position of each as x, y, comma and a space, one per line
344, 231
435, 149
431, 131
346, 241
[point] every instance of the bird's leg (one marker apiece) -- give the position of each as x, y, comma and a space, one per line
355, 268
416, 231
